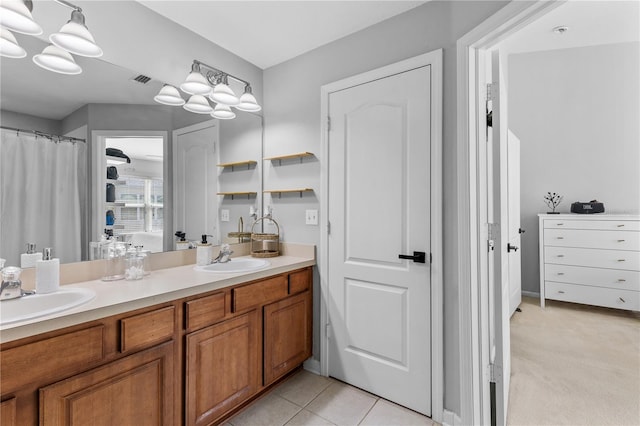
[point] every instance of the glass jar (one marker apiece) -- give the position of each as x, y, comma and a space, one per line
134, 265
113, 253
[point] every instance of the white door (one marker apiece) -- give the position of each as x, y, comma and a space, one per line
194, 180
513, 183
379, 208
500, 343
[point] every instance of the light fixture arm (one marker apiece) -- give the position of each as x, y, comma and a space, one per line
215, 74
69, 5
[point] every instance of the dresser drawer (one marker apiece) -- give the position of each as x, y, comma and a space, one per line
615, 240
148, 329
259, 293
611, 225
598, 296
612, 259
598, 277
204, 311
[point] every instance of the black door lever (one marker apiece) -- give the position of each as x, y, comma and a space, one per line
510, 247
418, 256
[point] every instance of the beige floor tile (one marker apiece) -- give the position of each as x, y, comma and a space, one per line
307, 418
302, 388
386, 413
342, 404
269, 411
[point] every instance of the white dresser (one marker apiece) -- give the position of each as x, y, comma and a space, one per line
590, 259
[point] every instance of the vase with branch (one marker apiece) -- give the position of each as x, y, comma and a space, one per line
552, 199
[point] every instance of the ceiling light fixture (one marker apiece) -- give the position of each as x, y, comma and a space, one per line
57, 60
169, 95
9, 47
15, 15
205, 80
74, 36
562, 29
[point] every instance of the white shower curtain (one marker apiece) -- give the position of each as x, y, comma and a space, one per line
41, 184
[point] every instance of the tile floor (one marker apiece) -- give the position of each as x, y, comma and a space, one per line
308, 399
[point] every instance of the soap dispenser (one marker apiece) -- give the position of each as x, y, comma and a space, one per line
203, 252
47, 273
28, 259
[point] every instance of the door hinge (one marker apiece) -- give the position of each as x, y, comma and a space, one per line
495, 373
430, 257
328, 228
328, 123
328, 330
492, 234
492, 88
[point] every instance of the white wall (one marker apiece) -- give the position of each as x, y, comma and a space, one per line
292, 124
576, 112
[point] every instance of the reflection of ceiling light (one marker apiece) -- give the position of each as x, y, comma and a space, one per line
222, 93
195, 84
74, 36
15, 15
223, 112
169, 95
57, 60
9, 47
248, 101
198, 104
561, 29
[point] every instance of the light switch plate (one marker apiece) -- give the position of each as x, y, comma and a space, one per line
224, 215
311, 217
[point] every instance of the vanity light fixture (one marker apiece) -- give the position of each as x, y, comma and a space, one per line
15, 15
223, 112
169, 95
198, 104
57, 60
74, 36
9, 47
205, 80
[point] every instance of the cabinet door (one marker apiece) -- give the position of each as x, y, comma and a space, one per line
222, 368
136, 390
287, 335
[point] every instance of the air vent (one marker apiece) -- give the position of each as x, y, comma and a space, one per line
142, 79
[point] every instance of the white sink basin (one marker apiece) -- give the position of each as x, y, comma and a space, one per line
236, 265
37, 305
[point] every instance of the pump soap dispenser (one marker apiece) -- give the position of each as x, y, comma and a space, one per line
28, 259
203, 252
47, 273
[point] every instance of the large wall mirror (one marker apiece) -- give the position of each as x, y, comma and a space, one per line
107, 106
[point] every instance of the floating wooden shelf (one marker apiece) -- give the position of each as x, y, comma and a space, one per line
287, 191
247, 163
234, 194
299, 155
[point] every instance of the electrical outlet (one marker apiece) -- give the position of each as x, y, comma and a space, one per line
224, 215
311, 217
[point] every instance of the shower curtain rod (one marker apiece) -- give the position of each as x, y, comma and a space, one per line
52, 137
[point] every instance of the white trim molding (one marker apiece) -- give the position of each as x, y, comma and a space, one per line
473, 325
449, 418
435, 60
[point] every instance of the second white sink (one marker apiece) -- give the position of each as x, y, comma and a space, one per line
242, 264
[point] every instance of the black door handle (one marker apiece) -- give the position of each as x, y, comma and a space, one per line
418, 256
510, 247
520, 231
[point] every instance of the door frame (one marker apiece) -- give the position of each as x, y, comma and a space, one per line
434, 59
472, 194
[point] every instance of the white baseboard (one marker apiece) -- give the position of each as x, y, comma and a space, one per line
449, 418
312, 365
530, 294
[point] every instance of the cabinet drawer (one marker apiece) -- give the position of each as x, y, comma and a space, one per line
615, 240
51, 358
612, 225
597, 296
299, 281
259, 293
613, 259
144, 330
598, 277
8, 412
204, 311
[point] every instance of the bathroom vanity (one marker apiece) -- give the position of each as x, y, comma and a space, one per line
179, 347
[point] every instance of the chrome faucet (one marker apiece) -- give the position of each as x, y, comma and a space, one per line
225, 254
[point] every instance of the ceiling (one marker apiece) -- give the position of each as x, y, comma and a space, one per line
267, 33
590, 23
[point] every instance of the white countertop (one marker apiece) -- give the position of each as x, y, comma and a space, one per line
163, 285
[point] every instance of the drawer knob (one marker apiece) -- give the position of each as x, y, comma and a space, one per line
560, 224
622, 300
622, 280
561, 238
620, 260
621, 241
561, 291
620, 226
561, 255
560, 273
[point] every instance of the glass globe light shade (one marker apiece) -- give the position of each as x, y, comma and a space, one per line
57, 60
198, 104
248, 101
16, 16
9, 47
223, 112
169, 95
222, 94
196, 84
74, 37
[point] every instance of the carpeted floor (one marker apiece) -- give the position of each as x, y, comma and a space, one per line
574, 365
